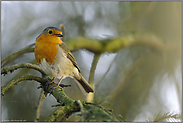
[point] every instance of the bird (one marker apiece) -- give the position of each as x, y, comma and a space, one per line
55, 58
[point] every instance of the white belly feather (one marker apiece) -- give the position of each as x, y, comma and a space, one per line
60, 67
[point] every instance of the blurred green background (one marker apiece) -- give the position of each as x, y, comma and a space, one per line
135, 82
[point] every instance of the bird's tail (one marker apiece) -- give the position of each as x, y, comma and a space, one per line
80, 80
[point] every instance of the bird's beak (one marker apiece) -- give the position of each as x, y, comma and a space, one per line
59, 35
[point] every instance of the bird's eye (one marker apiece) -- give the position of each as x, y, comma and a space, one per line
50, 32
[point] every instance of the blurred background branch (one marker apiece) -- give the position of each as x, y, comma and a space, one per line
14, 56
39, 105
90, 96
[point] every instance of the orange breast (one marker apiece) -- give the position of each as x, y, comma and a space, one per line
45, 50
46, 47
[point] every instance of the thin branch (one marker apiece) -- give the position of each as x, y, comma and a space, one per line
16, 81
62, 28
5, 70
22, 72
14, 56
39, 105
90, 96
92, 70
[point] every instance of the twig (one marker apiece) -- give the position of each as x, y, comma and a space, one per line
62, 28
22, 72
16, 81
92, 70
13, 56
41, 97
5, 70
90, 96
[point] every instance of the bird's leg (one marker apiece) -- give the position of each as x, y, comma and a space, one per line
52, 81
57, 84
59, 81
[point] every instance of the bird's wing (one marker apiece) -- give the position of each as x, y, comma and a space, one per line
69, 55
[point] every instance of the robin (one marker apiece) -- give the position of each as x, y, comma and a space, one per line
55, 58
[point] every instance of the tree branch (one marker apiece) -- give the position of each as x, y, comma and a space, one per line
88, 111
113, 45
63, 112
70, 106
13, 56
5, 70
90, 96
39, 105
16, 81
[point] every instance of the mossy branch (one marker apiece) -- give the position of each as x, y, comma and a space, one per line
89, 111
70, 106
63, 112
114, 44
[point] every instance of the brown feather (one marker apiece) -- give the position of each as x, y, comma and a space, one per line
69, 55
79, 79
